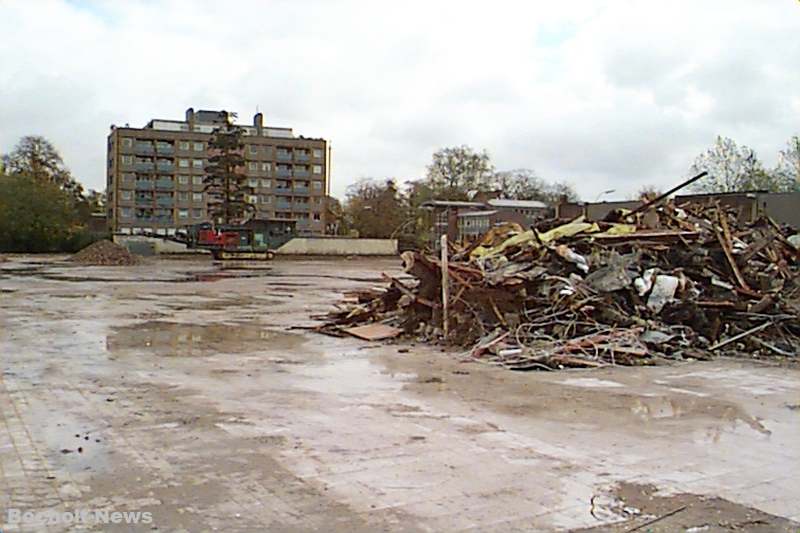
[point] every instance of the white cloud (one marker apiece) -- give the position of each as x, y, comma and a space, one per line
607, 97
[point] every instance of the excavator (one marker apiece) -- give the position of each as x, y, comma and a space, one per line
254, 240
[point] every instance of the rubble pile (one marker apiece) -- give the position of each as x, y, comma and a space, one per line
105, 253
665, 283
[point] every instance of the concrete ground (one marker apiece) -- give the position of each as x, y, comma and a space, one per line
175, 388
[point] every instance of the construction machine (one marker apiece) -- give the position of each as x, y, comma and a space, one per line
253, 240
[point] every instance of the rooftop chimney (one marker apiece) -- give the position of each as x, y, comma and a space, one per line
190, 117
258, 122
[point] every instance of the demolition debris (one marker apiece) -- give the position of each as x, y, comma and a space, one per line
105, 253
663, 283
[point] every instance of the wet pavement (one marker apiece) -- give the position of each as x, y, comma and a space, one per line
178, 388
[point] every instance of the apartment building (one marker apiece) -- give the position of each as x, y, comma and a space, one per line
155, 174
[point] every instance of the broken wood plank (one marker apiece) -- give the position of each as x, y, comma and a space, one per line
726, 248
741, 335
374, 332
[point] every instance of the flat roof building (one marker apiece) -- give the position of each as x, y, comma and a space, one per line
155, 174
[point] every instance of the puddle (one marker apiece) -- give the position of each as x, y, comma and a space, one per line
173, 339
591, 383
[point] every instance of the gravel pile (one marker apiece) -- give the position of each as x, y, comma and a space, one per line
105, 253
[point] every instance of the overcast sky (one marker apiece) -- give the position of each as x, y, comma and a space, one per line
605, 95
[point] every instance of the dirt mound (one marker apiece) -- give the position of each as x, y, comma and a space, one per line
105, 253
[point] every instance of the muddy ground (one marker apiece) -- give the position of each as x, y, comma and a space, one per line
176, 388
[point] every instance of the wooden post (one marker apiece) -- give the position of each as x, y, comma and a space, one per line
445, 285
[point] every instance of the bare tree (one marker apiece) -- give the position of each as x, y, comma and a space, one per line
36, 157
647, 193
525, 184
456, 171
733, 168
788, 168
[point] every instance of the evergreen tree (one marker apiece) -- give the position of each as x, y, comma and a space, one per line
225, 182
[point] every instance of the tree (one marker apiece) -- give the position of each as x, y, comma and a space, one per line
733, 168
36, 216
37, 158
788, 168
647, 193
375, 208
456, 171
525, 184
225, 183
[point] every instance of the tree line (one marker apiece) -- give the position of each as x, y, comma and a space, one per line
387, 208
43, 208
735, 167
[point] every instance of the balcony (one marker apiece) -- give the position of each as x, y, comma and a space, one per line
283, 205
284, 191
164, 201
302, 156
165, 149
144, 148
143, 166
165, 184
165, 167
301, 190
284, 173
301, 207
143, 185
302, 174
283, 155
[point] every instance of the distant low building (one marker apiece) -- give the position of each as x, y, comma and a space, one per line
462, 221
782, 207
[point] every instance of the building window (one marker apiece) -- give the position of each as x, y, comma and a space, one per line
265, 199
266, 167
253, 149
127, 159
197, 180
198, 147
197, 197
183, 180
317, 185
183, 213
183, 163
266, 183
316, 216
127, 142
128, 178
252, 182
317, 153
184, 145
252, 199
197, 213
317, 169
125, 212
253, 166
126, 195
183, 196
197, 163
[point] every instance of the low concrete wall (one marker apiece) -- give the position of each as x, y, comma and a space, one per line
783, 207
140, 244
338, 246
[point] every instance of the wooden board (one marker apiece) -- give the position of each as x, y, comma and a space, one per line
374, 332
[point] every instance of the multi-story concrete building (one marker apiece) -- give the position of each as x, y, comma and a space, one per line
155, 174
